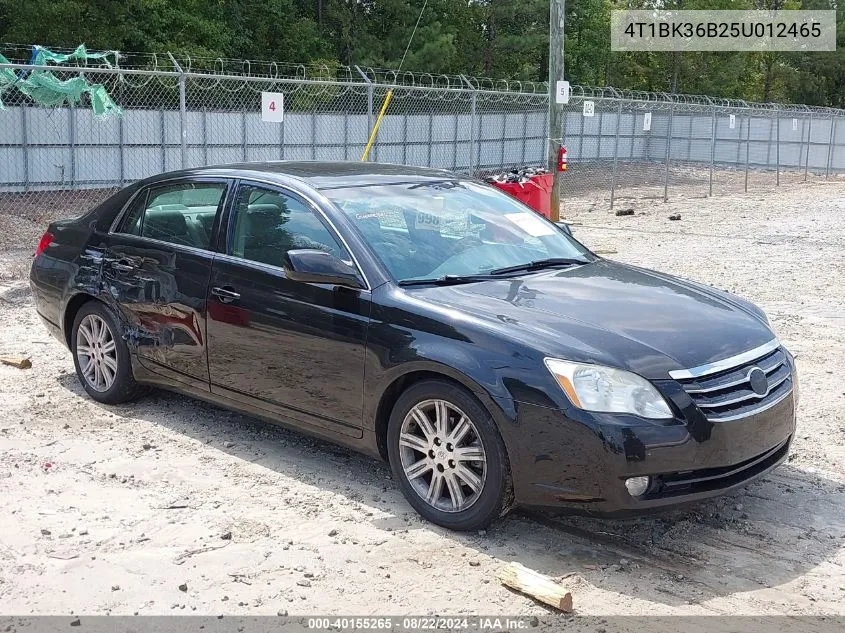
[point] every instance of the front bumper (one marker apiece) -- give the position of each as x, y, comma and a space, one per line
581, 464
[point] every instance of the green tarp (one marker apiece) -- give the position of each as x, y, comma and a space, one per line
46, 89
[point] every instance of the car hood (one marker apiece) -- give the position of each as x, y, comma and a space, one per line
610, 313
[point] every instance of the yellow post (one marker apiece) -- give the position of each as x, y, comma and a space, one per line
372, 140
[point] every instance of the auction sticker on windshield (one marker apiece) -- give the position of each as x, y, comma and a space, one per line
427, 222
531, 224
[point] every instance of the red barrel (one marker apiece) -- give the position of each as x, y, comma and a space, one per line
536, 193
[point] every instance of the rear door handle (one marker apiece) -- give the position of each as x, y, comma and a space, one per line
225, 295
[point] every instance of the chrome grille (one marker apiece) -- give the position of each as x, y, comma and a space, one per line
723, 390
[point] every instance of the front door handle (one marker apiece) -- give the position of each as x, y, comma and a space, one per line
225, 295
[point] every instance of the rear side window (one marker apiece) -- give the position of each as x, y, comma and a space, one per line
178, 214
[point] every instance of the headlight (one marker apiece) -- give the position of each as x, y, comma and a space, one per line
608, 390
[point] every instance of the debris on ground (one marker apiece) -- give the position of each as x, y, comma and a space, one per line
536, 585
16, 361
675, 216
623, 212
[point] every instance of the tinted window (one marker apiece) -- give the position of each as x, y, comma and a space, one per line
179, 214
268, 223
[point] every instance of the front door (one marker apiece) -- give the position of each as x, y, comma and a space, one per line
156, 267
292, 348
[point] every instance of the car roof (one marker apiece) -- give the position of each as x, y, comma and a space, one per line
321, 174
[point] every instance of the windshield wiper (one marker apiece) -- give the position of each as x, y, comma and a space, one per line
539, 264
447, 280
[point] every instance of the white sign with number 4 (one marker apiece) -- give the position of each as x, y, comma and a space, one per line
272, 107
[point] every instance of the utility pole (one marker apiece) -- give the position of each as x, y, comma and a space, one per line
556, 20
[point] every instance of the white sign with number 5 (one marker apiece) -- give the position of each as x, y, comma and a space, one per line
272, 107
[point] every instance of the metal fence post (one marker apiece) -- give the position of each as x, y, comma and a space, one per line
369, 103
524, 135
809, 145
122, 150
369, 107
183, 120
615, 153
204, 136
314, 133
345, 140
472, 111
430, 137
476, 137
747, 146
161, 129
72, 139
668, 153
712, 148
282, 140
830, 145
25, 148
243, 133
405, 138
777, 150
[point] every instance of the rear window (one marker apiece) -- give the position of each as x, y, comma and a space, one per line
180, 214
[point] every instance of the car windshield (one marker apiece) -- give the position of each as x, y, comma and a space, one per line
451, 228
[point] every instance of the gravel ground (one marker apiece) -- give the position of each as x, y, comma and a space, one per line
174, 506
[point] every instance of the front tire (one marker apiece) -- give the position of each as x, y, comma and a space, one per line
448, 456
101, 357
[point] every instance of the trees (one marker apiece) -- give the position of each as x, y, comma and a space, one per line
495, 38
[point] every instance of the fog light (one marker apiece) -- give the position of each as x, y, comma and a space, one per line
637, 486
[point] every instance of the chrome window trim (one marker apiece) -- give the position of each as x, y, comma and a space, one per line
725, 363
316, 208
181, 247
739, 416
269, 268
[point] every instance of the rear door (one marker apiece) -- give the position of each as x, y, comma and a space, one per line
157, 267
292, 348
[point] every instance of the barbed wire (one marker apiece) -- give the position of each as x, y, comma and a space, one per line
210, 73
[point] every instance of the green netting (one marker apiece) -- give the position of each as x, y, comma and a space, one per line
46, 89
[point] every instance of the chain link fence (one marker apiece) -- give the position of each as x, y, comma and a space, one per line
622, 146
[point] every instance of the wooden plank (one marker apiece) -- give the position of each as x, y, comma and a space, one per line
16, 361
536, 585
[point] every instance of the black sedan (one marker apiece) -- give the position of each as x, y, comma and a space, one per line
428, 319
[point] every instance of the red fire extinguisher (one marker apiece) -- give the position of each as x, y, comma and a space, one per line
561, 158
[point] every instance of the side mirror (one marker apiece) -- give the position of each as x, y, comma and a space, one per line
314, 266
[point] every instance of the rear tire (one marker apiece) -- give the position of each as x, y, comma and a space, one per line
448, 456
100, 355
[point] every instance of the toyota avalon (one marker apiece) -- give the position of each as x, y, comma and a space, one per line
428, 319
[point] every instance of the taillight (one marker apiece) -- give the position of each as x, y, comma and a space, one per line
44, 242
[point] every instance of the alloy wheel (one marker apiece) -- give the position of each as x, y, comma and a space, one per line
442, 455
96, 352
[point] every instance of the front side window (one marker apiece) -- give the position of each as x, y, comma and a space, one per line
269, 223
178, 214
436, 229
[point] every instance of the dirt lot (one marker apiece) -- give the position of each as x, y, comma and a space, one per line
111, 509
